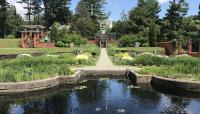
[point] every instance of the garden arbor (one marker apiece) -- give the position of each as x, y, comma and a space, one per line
33, 35
102, 40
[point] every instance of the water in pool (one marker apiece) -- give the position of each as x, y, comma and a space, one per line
101, 97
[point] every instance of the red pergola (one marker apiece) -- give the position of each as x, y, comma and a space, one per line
32, 35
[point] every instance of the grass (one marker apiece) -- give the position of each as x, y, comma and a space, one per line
30, 68
33, 50
9, 43
157, 50
178, 67
179, 72
25, 68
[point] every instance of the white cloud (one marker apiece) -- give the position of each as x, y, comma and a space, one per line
162, 1
19, 7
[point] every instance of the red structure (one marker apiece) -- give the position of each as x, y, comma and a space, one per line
190, 49
32, 37
170, 48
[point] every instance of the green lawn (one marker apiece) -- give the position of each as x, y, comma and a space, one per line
33, 50
9, 43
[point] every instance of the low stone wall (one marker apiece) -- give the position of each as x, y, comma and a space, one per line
176, 84
29, 86
137, 78
17, 87
104, 72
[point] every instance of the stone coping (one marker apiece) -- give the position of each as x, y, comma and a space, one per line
37, 85
27, 86
176, 84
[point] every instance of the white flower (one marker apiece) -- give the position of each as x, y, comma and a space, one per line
51, 55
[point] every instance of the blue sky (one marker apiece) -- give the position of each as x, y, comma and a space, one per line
117, 6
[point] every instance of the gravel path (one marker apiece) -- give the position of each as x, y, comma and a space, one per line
104, 60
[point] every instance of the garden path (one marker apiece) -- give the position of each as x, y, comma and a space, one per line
104, 60
104, 63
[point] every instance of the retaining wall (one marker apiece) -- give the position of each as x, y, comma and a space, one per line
28, 86
176, 84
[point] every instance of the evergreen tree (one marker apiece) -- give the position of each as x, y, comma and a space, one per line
88, 17
37, 10
174, 18
145, 12
152, 35
3, 17
56, 11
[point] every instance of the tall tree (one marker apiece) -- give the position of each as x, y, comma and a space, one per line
144, 14
144, 18
174, 18
152, 34
37, 10
56, 11
13, 20
3, 17
88, 17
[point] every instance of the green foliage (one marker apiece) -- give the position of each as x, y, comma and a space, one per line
63, 37
56, 11
29, 68
87, 17
139, 59
64, 70
55, 32
178, 71
121, 28
60, 44
174, 19
25, 68
145, 12
152, 35
74, 38
150, 59
3, 17
10, 21
128, 40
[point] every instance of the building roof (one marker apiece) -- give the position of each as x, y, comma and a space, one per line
34, 26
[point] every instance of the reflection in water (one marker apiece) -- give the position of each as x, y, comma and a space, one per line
103, 97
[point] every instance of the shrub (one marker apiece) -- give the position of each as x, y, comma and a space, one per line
128, 40
74, 38
60, 44
151, 59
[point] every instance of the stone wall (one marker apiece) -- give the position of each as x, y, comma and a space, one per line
46, 45
29, 86
175, 84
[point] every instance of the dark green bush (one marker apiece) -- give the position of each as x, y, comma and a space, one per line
127, 40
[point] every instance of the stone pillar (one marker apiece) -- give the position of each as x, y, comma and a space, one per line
35, 39
189, 46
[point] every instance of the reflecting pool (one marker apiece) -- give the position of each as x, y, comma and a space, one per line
105, 96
